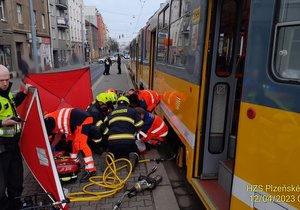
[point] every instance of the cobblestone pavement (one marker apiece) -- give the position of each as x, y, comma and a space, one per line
142, 201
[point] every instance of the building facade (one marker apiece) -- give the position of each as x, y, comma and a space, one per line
15, 34
77, 30
91, 26
60, 37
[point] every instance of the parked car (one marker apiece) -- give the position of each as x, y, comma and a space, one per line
101, 60
126, 56
113, 58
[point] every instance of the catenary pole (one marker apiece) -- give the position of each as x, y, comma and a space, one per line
33, 38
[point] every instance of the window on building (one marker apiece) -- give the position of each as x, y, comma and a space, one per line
59, 34
5, 56
34, 17
53, 33
19, 13
52, 10
63, 35
43, 21
286, 52
2, 14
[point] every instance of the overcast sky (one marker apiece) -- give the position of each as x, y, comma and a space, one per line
125, 16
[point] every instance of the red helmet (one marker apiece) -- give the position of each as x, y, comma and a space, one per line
111, 90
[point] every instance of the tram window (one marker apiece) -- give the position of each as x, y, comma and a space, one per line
175, 8
166, 17
180, 36
289, 11
286, 54
217, 125
147, 43
161, 20
226, 39
162, 39
186, 7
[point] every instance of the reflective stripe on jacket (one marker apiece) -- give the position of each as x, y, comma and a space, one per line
151, 98
156, 132
123, 123
7, 110
62, 120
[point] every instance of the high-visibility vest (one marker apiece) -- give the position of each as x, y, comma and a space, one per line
156, 133
7, 110
62, 120
151, 98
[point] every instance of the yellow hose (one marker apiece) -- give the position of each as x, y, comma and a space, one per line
110, 182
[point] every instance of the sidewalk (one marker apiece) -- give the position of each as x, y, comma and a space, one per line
116, 81
161, 198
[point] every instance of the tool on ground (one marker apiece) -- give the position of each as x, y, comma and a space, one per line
146, 182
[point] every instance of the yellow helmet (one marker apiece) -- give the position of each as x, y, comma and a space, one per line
113, 96
123, 98
103, 98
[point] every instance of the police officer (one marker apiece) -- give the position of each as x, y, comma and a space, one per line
107, 64
11, 166
77, 126
123, 123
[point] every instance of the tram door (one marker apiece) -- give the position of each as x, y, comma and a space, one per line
151, 67
221, 85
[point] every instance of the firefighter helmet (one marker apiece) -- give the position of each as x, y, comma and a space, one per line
103, 98
123, 99
113, 96
111, 90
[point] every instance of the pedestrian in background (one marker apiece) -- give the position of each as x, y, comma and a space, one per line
119, 64
107, 64
11, 166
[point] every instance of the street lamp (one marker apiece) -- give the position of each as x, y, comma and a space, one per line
33, 37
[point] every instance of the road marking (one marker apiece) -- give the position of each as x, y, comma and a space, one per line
97, 83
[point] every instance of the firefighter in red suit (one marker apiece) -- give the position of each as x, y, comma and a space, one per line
77, 126
147, 99
154, 130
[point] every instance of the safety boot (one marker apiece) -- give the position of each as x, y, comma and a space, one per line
103, 163
133, 157
87, 175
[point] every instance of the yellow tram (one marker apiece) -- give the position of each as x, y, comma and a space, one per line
228, 75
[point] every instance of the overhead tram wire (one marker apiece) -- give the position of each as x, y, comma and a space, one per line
141, 10
117, 13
